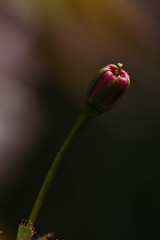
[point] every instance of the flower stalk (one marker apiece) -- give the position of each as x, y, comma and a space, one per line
105, 89
83, 119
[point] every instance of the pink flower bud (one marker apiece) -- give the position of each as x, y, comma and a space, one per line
106, 87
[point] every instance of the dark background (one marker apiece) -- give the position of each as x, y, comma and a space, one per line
108, 186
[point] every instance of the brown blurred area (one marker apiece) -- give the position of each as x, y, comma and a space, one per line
108, 185
84, 35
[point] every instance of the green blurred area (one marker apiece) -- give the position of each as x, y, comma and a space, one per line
108, 186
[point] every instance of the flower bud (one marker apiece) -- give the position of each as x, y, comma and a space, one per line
106, 87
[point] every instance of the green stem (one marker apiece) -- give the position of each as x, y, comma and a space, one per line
84, 117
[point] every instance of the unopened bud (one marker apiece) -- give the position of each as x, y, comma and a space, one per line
106, 87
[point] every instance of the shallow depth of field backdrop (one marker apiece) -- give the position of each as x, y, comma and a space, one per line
108, 186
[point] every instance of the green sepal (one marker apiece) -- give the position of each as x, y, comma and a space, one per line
94, 81
103, 96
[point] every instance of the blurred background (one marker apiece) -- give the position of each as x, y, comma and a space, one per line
108, 186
